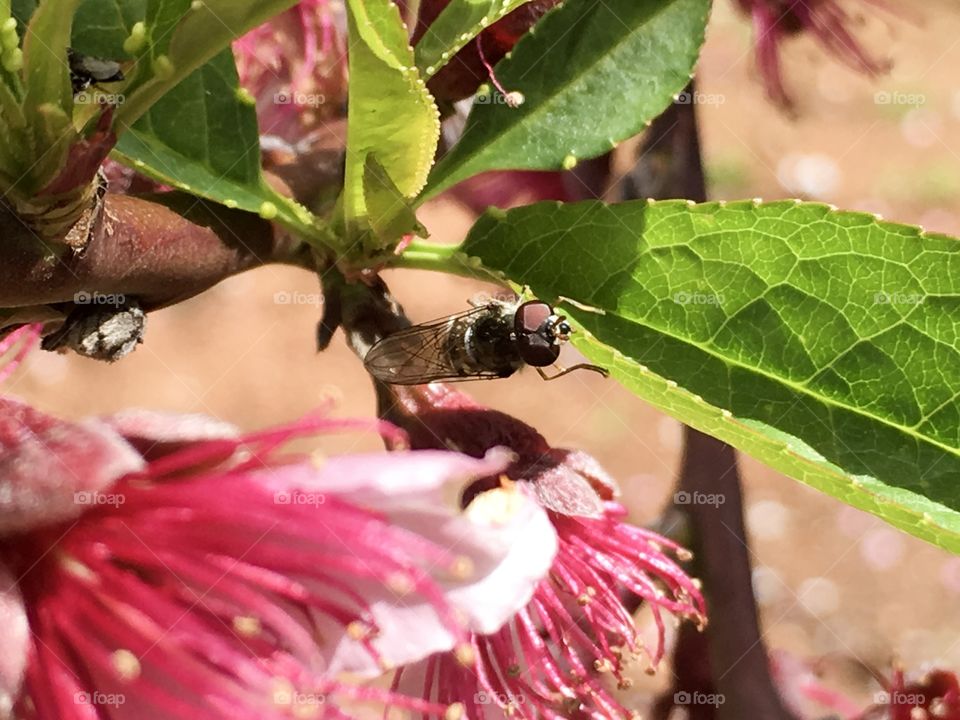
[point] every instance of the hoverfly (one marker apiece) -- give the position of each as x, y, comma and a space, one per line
492, 340
86, 71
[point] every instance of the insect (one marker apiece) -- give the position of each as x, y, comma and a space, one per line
492, 340
86, 71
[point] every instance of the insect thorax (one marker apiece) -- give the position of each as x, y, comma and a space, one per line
485, 344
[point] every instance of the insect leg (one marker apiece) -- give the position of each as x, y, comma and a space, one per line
578, 366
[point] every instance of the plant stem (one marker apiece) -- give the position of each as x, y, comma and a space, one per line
443, 258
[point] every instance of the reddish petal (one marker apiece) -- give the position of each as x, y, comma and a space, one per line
14, 640
53, 470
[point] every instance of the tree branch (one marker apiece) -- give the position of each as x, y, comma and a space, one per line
159, 249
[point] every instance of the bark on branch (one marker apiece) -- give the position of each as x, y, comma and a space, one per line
159, 249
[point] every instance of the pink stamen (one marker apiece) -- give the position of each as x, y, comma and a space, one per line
27, 337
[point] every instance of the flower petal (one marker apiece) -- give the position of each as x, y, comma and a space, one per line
51, 469
494, 563
15, 636
155, 434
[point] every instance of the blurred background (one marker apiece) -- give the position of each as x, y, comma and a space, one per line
830, 580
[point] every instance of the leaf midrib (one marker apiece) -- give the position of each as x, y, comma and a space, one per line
801, 389
574, 79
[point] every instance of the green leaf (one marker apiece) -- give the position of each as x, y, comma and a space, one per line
391, 214
184, 36
455, 26
23, 10
592, 74
45, 66
202, 137
824, 343
392, 116
49, 95
101, 26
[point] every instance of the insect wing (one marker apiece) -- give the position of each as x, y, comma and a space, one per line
420, 354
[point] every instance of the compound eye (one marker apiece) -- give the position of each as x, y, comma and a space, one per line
537, 351
531, 316
563, 330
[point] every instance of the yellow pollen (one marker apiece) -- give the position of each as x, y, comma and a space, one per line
126, 664
625, 684
282, 692
359, 630
583, 599
684, 555
603, 666
462, 567
454, 712
400, 583
497, 507
77, 568
465, 654
247, 626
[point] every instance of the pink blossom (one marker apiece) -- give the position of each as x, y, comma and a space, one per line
934, 694
565, 481
221, 576
295, 65
544, 662
826, 20
510, 188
